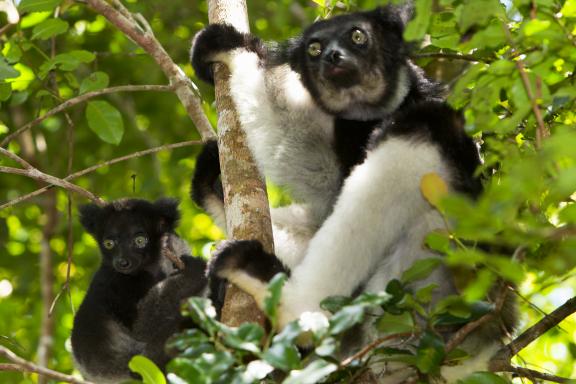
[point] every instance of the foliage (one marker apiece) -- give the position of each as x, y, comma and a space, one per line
510, 67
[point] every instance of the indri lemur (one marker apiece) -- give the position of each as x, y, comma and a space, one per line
308, 107
297, 102
133, 303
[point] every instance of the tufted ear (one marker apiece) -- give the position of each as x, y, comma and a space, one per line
90, 217
167, 208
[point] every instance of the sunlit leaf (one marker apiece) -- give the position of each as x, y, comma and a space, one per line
49, 28
38, 5
105, 121
150, 373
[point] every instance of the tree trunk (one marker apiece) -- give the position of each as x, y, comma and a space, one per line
245, 199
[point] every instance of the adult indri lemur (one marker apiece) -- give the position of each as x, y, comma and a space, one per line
308, 107
133, 303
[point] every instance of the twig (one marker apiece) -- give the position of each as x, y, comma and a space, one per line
501, 361
183, 86
168, 252
541, 130
82, 98
41, 176
532, 374
16, 158
21, 365
463, 332
97, 166
373, 345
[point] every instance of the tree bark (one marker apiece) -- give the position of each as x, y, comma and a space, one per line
245, 199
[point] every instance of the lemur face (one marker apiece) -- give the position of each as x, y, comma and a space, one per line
352, 64
126, 244
129, 231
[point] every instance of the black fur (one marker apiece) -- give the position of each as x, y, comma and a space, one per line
248, 256
206, 179
440, 124
132, 306
386, 49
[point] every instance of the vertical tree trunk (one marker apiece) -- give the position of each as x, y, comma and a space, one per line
246, 202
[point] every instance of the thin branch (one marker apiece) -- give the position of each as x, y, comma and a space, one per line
98, 166
463, 332
183, 86
532, 374
541, 129
538, 329
82, 98
22, 365
41, 176
18, 159
373, 345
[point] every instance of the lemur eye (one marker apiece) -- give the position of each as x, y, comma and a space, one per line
359, 37
108, 244
314, 49
140, 241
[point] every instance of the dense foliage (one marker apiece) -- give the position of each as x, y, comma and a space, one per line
509, 65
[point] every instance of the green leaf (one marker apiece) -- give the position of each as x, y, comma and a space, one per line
94, 82
438, 241
390, 324
105, 121
327, 347
483, 378
6, 70
420, 270
272, 301
424, 295
313, 373
569, 8
247, 337
282, 356
49, 28
478, 12
416, 28
346, 318
38, 5
66, 61
150, 373
535, 26
333, 304
430, 353
5, 91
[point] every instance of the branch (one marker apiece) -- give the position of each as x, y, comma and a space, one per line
82, 98
373, 345
183, 86
97, 166
247, 209
501, 361
21, 365
35, 174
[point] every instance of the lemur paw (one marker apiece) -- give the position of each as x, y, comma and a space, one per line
215, 39
245, 264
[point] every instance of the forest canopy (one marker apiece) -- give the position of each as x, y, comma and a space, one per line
81, 99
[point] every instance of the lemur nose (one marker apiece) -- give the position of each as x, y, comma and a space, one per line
334, 56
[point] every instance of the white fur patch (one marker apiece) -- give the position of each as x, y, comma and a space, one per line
375, 230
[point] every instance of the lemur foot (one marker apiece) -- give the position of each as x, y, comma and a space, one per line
216, 39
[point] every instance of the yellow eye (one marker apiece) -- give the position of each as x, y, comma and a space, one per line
108, 244
140, 241
359, 37
314, 49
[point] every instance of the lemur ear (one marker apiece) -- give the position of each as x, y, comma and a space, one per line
167, 208
295, 51
90, 217
397, 13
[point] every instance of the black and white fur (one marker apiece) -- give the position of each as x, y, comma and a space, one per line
308, 118
133, 303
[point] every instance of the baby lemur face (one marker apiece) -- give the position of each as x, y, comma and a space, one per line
127, 245
129, 231
353, 64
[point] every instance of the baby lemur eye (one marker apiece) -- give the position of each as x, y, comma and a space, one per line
140, 241
108, 244
314, 49
359, 37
